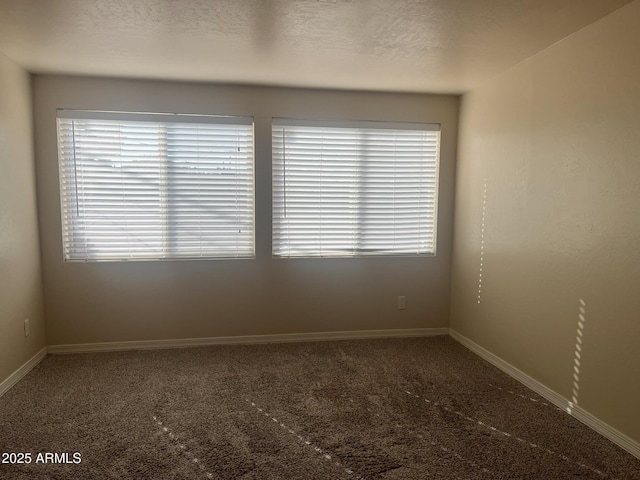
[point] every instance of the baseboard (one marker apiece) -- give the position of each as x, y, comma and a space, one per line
16, 376
246, 339
541, 389
561, 402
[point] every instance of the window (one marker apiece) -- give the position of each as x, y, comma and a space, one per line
155, 186
354, 188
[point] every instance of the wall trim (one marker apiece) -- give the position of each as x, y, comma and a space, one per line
604, 429
246, 339
16, 376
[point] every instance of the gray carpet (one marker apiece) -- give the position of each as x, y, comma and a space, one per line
368, 409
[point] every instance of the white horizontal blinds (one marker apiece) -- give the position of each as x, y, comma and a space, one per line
354, 189
145, 188
210, 188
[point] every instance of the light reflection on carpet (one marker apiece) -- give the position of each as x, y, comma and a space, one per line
322, 453
183, 448
507, 434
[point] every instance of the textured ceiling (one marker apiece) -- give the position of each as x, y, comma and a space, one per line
444, 46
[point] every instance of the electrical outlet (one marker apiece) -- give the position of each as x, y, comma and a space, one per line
402, 302
27, 327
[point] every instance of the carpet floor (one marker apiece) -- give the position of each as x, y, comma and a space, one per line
423, 408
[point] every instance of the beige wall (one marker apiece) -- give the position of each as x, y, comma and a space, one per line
20, 279
557, 140
102, 302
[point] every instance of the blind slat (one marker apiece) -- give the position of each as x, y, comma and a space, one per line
146, 186
354, 189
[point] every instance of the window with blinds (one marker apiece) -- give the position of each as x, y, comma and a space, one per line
354, 188
155, 186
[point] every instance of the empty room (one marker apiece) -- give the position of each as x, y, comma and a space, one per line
319, 239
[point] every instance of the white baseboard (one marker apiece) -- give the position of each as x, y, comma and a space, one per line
607, 431
247, 339
16, 376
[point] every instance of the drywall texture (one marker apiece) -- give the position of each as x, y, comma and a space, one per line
121, 301
20, 278
556, 236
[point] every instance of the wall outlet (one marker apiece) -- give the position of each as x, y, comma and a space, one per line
402, 302
27, 327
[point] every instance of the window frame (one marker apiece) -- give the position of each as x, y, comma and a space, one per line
175, 121
365, 126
